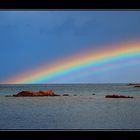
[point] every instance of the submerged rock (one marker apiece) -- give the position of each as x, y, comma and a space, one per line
65, 94
8, 96
130, 84
118, 96
39, 93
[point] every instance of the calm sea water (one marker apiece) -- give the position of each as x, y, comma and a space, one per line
84, 111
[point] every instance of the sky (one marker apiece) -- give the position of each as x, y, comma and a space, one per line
29, 39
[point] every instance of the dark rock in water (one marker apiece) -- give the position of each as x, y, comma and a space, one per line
39, 93
74, 95
134, 85
24, 93
93, 94
130, 84
65, 94
118, 96
137, 86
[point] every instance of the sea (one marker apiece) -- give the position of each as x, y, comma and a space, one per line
89, 110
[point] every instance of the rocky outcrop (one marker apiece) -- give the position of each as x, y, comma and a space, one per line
134, 85
118, 96
137, 86
39, 93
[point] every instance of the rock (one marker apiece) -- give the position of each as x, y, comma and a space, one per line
39, 93
24, 93
48, 93
118, 96
134, 85
130, 84
137, 86
65, 94
74, 95
93, 94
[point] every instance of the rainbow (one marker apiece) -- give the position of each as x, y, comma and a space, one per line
90, 61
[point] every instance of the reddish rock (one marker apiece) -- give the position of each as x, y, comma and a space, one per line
39, 93
137, 86
24, 93
118, 96
48, 93
130, 84
134, 85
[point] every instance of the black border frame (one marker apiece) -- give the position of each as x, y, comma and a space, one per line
69, 5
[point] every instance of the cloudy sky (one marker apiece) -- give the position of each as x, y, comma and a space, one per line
31, 38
